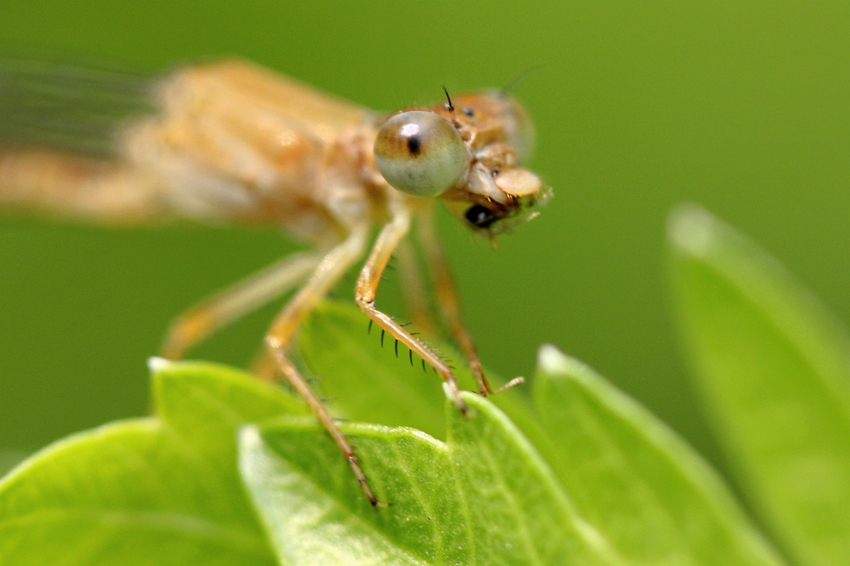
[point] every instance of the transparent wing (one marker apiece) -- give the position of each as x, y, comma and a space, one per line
74, 106
59, 139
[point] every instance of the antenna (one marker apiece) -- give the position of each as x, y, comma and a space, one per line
512, 84
450, 107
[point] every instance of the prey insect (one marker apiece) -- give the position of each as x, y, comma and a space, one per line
229, 141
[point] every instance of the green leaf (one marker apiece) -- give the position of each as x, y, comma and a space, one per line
642, 492
71, 505
774, 369
640, 485
483, 497
160, 490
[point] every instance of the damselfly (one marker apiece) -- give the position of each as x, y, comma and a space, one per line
229, 141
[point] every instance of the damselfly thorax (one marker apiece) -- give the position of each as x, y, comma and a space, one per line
232, 142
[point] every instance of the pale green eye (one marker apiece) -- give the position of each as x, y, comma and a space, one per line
419, 153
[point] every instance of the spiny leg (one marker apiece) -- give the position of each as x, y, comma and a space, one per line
448, 300
332, 267
366, 291
224, 307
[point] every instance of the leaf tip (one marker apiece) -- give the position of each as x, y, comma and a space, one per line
157, 364
550, 358
248, 438
692, 229
553, 361
553, 364
453, 396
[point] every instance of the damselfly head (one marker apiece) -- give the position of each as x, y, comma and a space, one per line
467, 152
496, 193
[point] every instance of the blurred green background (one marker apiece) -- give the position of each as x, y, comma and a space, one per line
740, 106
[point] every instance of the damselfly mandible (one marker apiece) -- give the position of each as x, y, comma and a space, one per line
229, 141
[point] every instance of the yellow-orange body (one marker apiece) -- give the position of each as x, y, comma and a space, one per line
232, 143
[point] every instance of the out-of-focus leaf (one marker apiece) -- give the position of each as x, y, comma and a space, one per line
630, 476
774, 369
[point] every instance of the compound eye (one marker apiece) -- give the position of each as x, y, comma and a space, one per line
419, 153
